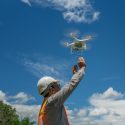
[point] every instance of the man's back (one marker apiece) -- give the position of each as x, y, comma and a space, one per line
55, 115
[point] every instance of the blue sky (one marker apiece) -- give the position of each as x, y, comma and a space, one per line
30, 47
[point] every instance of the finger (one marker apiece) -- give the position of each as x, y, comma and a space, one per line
74, 69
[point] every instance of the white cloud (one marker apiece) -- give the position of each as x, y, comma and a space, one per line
2, 96
72, 10
109, 106
39, 69
47, 66
111, 100
21, 98
27, 2
105, 108
109, 94
95, 16
30, 111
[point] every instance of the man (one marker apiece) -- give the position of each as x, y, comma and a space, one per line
52, 111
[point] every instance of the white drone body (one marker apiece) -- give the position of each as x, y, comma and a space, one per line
78, 44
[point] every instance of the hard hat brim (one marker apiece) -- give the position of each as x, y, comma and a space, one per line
46, 90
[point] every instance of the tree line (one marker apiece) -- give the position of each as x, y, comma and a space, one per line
8, 116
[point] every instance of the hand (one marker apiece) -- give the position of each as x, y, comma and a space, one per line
74, 69
81, 62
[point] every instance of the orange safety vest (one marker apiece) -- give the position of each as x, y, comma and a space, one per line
42, 113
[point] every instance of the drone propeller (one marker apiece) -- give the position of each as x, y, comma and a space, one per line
64, 43
73, 34
89, 37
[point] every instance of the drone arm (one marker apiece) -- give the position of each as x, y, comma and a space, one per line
76, 39
85, 40
82, 40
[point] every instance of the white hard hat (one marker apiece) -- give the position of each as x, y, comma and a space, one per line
44, 83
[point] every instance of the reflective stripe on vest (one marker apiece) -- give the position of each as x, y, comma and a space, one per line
66, 115
41, 113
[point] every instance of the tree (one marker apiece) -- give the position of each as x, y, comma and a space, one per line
26, 121
8, 116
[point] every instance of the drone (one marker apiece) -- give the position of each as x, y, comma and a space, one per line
78, 44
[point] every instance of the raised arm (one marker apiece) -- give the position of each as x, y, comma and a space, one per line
60, 97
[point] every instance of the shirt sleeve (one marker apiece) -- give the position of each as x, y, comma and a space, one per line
60, 97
